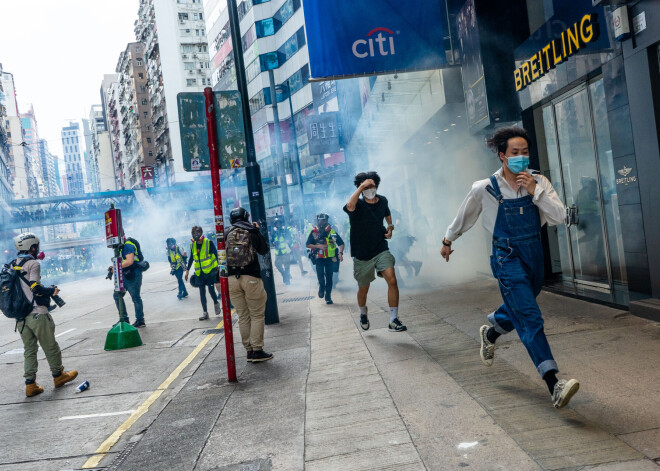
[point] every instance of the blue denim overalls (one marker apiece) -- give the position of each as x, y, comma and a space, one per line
517, 263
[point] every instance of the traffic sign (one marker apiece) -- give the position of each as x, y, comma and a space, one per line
194, 135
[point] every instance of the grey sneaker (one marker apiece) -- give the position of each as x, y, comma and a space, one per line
564, 391
397, 326
218, 309
204, 316
487, 350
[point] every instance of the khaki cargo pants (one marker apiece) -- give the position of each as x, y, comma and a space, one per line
39, 329
248, 296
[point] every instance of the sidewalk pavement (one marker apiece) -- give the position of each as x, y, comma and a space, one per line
339, 398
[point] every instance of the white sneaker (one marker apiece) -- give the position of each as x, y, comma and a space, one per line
487, 350
564, 391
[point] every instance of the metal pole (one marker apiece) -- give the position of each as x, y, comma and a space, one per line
220, 232
278, 148
252, 170
295, 148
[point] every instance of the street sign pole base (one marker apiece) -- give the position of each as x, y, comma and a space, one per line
122, 335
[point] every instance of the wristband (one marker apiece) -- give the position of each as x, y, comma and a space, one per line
446, 243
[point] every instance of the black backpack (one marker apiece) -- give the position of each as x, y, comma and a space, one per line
142, 264
13, 302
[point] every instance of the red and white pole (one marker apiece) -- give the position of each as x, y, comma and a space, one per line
220, 232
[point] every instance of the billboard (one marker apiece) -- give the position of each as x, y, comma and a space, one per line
147, 177
377, 37
323, 133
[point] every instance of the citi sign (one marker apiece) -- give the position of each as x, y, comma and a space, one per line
365, 47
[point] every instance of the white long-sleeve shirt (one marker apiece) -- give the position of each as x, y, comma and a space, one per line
478, 200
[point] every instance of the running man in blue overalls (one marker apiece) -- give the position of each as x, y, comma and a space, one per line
516, 203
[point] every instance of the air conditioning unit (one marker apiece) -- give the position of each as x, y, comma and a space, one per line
191, 72
185, 56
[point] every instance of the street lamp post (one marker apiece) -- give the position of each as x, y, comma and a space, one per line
278, 148
287, 88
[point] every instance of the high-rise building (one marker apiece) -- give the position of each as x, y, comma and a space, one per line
6, 193
48, 164
72, 148
101, 150
31, 139
272, 42
176, 51
20, 164
137, 132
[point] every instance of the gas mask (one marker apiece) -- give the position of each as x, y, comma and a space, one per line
369, 194
197, 235
517, 163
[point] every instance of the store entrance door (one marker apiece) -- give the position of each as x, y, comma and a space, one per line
574, 167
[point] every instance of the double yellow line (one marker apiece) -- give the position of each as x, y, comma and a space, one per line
109, 442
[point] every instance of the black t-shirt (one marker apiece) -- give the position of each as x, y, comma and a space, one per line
367, 229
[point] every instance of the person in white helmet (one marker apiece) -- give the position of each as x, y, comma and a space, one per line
38, 328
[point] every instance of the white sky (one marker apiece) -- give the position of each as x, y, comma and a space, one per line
58, 51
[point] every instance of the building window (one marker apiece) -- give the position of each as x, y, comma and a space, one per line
148, 140
143, 88
201, 48
184, 16
146, 114
151, 153
144, 101
141, 75
189, 65
139, 62
191, 82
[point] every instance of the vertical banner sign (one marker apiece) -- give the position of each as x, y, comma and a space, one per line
472, 68
377, 37
113, 229
147, 177
228, 125
119, 275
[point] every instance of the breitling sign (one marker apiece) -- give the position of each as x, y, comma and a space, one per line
626, 178
569, 42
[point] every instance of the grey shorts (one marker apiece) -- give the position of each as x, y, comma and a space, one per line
364, 271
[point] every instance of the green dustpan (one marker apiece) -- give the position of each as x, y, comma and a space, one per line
122, 335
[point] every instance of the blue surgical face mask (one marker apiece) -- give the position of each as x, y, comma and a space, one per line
517, 163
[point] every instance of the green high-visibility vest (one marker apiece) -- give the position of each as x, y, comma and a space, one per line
281, 247
175, 259
204, 259
332, 245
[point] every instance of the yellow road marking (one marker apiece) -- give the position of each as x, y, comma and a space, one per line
109, 442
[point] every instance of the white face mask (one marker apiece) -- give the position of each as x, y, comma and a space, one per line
369, 194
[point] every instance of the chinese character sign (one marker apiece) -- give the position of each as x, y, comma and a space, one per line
147, 177
323, 133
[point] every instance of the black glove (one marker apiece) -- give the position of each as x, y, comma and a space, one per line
172, 271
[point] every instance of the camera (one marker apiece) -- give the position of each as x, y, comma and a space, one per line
56, 298
109, 275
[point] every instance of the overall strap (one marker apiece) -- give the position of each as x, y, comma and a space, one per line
494, 189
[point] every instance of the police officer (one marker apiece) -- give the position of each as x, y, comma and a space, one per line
282, 242
38, 327
205, 257
328, 249
177, 261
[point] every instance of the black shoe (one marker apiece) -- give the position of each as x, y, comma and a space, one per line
328, 300
249, 356
260, 355
127, 320
321, 292
139, 324
364, 322
397, 326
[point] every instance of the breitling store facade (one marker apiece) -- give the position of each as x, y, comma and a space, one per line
578, 96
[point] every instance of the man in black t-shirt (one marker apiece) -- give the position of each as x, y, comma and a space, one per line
369, 246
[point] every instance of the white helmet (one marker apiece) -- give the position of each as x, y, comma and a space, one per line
24, 241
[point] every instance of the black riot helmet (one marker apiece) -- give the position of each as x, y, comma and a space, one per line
171, 243
322, 217
239, 214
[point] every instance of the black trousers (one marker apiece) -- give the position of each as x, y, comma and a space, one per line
202, 295
324, 269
